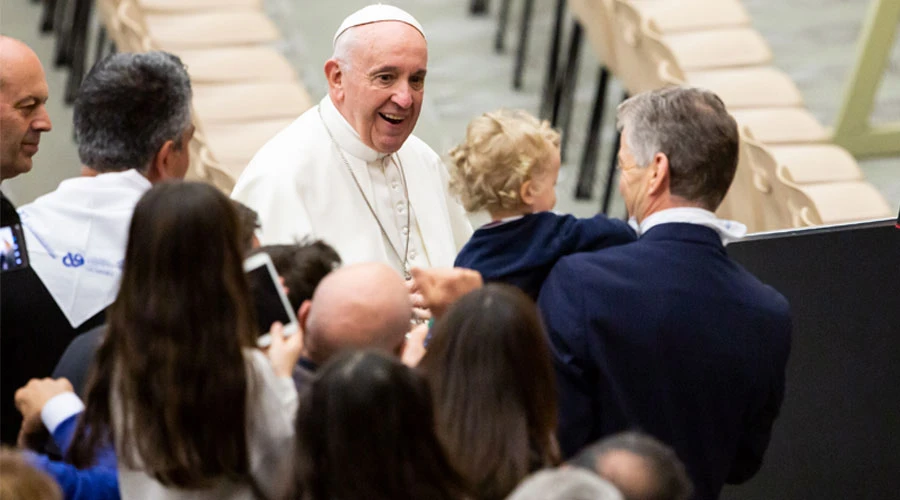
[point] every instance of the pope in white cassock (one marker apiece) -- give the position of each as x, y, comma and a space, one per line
348, 171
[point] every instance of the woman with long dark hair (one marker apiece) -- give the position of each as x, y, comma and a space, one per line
490, 371
193, 409
365, 429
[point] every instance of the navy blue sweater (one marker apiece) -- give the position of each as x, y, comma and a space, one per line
522, 252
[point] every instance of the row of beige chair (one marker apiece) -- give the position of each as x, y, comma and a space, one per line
788, 175
244, 90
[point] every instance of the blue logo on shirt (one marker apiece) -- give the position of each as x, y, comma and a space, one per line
73, 260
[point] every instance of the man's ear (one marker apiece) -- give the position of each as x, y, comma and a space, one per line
335, 77
303, 313
162, 167
660, 176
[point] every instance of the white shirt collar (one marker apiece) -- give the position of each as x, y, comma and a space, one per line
728, 230
346, 137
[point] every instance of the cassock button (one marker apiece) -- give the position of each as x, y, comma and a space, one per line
412, 254
395, 185
401, 207
404, 231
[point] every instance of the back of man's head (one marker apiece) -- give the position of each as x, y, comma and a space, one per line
355, 307
302, 266
129, 105
694, 130
565, 483
638, 465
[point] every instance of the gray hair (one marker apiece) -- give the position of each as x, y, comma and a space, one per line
668, 475
344, 46
694, 130
128, 106
565, 484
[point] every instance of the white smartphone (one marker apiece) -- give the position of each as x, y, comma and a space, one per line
269, 301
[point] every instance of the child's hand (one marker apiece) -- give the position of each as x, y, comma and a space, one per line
440, 288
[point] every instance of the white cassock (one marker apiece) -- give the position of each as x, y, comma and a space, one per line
301, 187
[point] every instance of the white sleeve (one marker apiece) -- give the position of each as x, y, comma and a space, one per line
272, 412
273, 193
59, 408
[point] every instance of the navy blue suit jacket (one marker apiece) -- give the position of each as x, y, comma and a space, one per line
667, 335
522, 252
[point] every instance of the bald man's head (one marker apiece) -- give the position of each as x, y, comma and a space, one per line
358, 306
23, 116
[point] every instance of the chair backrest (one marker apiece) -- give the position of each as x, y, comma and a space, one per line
743, 202
836, 203
596, 18
634, 69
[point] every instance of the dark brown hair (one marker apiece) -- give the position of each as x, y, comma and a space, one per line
489, 368
302, 266
248, 222
172, 355
365, 429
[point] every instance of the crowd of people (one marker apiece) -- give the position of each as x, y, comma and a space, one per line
561, 358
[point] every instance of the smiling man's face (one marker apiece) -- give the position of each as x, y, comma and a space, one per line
23, 116
379, 88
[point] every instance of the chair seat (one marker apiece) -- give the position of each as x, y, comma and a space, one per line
161, 6
718, 48
842, 202
213, 29
780, 125
237, 64
811, 164
691, 15
755, 87
236, 143
247, 102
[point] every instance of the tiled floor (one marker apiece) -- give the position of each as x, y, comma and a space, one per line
813, 40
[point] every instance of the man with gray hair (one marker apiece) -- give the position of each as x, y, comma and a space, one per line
565, 483
667, 334
349, 171
641, 467
132, 120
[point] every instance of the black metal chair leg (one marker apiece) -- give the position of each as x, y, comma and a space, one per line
587, 171
566, 95
612, 171
62, 26
100, 44
551, 79
79, 48
522, 49
47, 16
502, 21
478, 7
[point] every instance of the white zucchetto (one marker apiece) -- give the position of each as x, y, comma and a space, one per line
377, 13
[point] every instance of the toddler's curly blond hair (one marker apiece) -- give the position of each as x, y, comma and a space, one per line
501, 151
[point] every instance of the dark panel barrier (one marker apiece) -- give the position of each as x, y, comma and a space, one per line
838, 435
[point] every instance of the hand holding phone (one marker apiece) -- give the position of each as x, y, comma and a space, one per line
284, 350
269, 301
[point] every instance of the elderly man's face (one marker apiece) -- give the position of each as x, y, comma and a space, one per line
23, 115
381, 91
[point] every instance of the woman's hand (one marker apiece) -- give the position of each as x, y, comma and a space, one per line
284, 351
